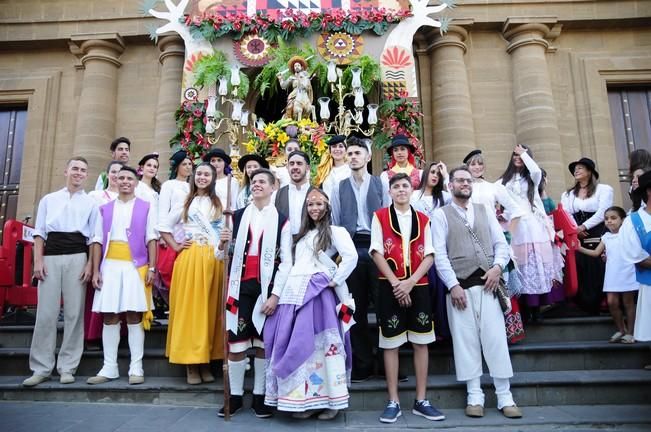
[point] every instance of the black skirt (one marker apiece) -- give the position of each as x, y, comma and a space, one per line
590, 270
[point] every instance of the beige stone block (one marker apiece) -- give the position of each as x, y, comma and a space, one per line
107, 9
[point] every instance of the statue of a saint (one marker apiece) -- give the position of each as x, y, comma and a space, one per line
299, 100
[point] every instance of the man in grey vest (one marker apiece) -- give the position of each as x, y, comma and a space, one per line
353, 203
470, 253
291, 198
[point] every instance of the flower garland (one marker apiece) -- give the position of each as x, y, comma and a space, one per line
191, 128
290, 23
270, 141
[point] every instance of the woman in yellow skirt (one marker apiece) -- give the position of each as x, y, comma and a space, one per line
195, 331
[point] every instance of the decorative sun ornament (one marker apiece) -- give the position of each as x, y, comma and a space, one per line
340, 47
396, 58
252, 50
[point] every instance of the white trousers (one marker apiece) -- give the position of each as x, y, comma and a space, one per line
477, 329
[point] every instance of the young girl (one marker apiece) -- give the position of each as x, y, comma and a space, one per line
195, 334
308, 349
620, 284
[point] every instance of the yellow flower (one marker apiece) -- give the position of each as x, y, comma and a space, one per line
302, 138
282, 138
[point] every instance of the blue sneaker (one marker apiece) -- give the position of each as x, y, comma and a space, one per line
424, 409
391, 412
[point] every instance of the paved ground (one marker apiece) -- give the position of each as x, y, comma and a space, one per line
89, 417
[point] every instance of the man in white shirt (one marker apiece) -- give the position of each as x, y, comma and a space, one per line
120, 151
259, 269
401, 247
125, 246
64, 228
470, 253
291, 198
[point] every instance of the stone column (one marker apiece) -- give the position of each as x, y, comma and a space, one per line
171, 58
452, 122
99, 56
421, 53
536, 123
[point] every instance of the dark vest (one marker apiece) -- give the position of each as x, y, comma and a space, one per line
348, 204
282, 199
237, 218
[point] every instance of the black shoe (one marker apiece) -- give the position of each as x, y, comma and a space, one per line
236, 403
359, 378
259, 408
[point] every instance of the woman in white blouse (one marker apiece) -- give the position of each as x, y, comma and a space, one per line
586, 202
111, 192
532, 235
222, 164
307, 346
333, 167
149, 186
195, 332
172, 192
431, 195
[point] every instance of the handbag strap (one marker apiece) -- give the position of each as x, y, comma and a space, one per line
474, 236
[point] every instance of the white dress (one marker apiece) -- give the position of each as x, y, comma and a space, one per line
122, 288
620, 275
425, 203
489, 194
148, 194
633, 253
531, 239
337, 174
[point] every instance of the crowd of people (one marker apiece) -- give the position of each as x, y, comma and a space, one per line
288, 270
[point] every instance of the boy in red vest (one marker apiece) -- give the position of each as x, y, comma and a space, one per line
401, 247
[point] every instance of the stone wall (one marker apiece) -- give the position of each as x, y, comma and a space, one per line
506, 72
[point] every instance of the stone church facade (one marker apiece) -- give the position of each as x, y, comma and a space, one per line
567, 78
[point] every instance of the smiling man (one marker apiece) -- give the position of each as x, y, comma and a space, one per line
259, 269
471, 251
124, 262
291, 198
120, 151
65, 224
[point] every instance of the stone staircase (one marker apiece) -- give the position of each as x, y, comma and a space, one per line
562, 361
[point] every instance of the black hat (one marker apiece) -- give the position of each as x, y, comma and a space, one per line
146, 157
586, 162
249, 157
400, 140
336, 139
643, 183
470, 155
217, 152
179, 157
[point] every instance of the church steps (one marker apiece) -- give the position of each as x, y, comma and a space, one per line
560, 387
546, 356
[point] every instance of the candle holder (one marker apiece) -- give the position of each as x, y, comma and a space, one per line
346, 121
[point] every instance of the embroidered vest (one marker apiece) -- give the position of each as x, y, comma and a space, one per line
392, 240
237, 218
136, 233
348, 204
643, 275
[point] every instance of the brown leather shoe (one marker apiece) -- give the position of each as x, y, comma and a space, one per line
98, 379
136, 379
206, 375
193, 376
511, 412
475, 411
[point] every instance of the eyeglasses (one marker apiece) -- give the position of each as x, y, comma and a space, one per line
462, 180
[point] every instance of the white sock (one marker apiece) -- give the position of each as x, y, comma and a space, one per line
475, 394
137, 348
503, 392
110, 342
259, 376
236, 370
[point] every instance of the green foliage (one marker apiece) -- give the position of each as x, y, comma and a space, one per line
208, 69
371, 72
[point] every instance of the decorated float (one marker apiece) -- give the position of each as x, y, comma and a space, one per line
258, 73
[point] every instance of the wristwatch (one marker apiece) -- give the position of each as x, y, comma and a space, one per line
152, 269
